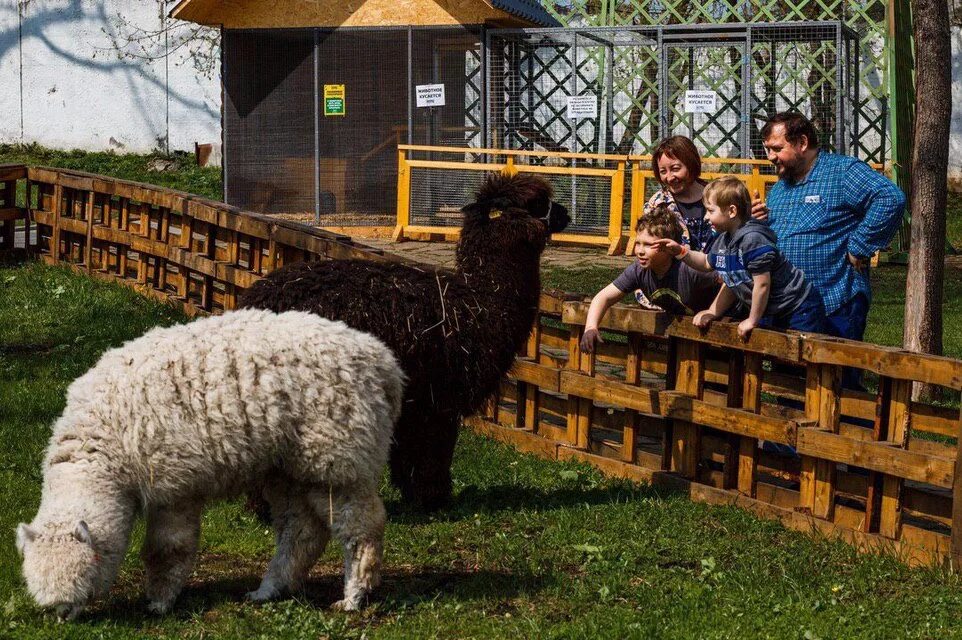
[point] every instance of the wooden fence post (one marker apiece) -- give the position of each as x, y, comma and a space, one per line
690, 380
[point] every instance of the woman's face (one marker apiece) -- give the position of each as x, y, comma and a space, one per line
673, 174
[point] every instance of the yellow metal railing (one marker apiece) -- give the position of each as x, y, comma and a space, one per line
614, 169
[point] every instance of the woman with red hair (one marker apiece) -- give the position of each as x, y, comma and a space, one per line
677, 165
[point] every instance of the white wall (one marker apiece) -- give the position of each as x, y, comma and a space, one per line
93, 75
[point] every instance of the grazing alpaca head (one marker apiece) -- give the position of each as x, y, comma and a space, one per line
512, 215
60, 566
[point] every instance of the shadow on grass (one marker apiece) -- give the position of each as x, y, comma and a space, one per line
401, 588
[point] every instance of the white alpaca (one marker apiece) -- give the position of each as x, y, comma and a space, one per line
208, 410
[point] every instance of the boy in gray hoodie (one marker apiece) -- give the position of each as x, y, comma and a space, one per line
754, 272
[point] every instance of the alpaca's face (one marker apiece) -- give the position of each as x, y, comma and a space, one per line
557, 217
60, 567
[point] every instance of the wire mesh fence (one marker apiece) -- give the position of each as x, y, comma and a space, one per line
313, 117
619, 90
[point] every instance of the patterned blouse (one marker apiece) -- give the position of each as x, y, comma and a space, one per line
695, 232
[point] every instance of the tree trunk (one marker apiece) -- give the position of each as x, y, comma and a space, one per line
930, 152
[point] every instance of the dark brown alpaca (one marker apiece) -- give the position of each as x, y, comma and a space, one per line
455, 333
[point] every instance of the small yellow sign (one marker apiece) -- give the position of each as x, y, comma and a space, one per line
334, 100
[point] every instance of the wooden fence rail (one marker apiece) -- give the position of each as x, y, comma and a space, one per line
660, 401
168, 244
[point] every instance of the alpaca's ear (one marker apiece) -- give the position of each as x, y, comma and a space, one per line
82, 532
25, 535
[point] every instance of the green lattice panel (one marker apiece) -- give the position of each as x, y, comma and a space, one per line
636, 98
591, 73
707, 68
545, 74
799, 76
866, 17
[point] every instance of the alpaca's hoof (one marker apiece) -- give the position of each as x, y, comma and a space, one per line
264, 594
345, 605
159, 607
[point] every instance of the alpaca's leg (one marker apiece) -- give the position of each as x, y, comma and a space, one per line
421, 459
169, 551
358, 523
301, 538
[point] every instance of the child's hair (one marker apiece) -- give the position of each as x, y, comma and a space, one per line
727, 191
661, 222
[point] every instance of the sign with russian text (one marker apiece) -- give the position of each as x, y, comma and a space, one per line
581, 107
334, 100
429, 95
700, 101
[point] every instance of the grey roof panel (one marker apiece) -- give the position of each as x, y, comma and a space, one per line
530, 10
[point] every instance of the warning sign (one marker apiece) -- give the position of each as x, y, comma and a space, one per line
334, 100
580, 107
700, 101
430, 95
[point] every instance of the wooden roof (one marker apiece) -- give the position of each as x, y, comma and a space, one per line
259, 14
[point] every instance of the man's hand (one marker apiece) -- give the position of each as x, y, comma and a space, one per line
667, 244
588, 340
759, 210
745, 328
860, 264
703, 318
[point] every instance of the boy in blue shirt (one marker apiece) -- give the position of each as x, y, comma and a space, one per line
754, 272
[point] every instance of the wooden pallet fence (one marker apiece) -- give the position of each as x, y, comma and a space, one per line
763, 424
196, 253
11, 215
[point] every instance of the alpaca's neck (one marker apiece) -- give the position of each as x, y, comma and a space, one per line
504, 281
73, 492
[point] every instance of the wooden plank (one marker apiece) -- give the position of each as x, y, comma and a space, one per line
885, 361
644, 399
956, 542
899, 426
629, 435
873, 500
829, 413
620, 318
689, 380
777, 344
733, 399
880, 456
940, 420
12, 213
12, 172
574, 364
806, 491
748, 447
545, 377
683, 407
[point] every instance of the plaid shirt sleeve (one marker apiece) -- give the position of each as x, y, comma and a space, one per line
871, 193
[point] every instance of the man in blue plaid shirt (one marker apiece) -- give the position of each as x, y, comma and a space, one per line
830, 213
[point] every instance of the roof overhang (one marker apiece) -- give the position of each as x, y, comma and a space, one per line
264, 14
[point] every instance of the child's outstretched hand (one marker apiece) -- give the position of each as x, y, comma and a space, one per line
588, 340
703, 318
745, 328
667, 244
